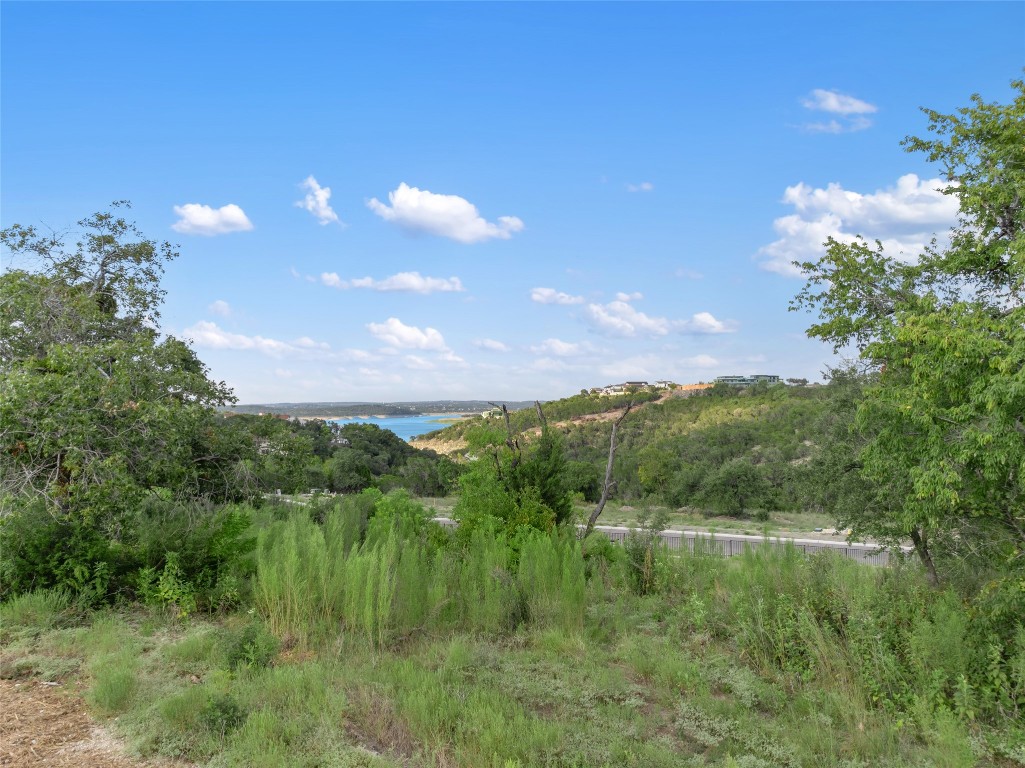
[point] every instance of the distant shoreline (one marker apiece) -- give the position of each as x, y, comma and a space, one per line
452, 414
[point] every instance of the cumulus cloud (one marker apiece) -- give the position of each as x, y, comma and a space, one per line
552, 296
220, 307
196, 219
559, 348
398, 335
421, 211
705, 322
904, 217
491, 345
211, 336
644, 186
317, 201
619, 318
851, 112
837, 103
410, 282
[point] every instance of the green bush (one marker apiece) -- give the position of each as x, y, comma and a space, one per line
248, 647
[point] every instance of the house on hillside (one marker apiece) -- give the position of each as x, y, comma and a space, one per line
747, 381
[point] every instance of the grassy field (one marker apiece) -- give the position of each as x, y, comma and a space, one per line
707, 663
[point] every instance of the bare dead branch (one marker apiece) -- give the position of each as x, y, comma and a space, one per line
609, 485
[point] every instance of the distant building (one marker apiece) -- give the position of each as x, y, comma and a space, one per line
665, 384
747, 381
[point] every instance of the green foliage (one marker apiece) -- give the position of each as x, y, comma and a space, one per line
99, 414
733, 488
645, 555
249, 647
115, 681
514, 483
35, 612
941, 420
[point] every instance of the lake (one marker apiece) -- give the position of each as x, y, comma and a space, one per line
406, 427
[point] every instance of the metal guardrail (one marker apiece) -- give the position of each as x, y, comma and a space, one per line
732, 544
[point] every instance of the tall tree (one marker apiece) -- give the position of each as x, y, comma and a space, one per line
99, 413
944, 419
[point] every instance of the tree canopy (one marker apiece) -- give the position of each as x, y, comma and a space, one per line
101, 416
944, 416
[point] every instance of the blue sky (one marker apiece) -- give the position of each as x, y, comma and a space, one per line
406, 201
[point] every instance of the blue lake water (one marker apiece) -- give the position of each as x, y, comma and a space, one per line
406, 427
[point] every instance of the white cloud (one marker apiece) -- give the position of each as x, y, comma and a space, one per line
904, 217
451, 216
199, 219
307, 343
644, 186
705, 322
851, 112
317, 201
398, 335
211, 336
332, 280
412, 282
220, 307
451, 357
558, 348
618, 318
491, 345
837, 103
552, 296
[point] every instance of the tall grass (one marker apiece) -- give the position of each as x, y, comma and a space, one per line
314, 580
874, 639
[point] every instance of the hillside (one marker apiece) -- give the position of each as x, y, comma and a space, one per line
742, 452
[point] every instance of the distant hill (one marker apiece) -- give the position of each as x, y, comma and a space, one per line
730, 449
341, 409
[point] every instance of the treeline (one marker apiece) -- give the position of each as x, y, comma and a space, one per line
297, 456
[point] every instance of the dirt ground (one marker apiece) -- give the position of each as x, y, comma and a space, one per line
47, 725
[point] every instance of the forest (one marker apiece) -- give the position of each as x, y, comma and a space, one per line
147, 556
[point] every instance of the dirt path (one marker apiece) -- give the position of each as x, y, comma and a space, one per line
47, 725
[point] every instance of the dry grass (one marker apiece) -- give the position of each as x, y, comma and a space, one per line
46, 725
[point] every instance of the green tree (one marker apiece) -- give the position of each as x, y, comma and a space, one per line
98, 412
349, 471
733, 488
515, 482
943, 418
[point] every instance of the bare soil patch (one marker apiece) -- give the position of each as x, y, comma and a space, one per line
47, 725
